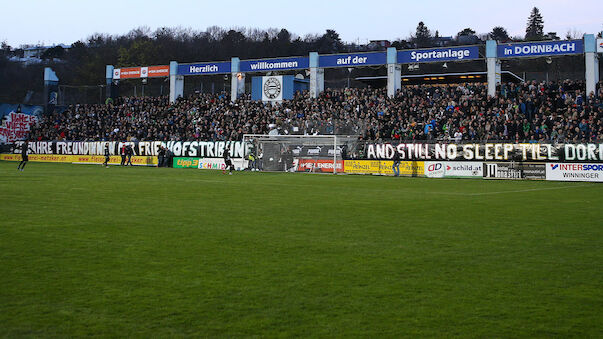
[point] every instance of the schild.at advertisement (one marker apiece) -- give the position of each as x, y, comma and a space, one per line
453, 169
574, 172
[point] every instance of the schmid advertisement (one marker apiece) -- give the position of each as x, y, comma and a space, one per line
316, 165
384, 167
505, 170
574, 172
186, 162
81, 159
218, 164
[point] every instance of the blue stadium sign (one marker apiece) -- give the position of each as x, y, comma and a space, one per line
265, 65
540, 48
438, 54
355, 59
204, 68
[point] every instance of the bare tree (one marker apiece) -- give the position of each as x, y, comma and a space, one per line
573, 34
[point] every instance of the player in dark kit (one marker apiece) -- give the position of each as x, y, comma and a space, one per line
106, 163
129, 153
227, 162
122, 152
24, 158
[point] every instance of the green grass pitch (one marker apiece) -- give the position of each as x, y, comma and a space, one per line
148, 252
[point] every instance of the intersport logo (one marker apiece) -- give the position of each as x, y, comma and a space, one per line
577, 167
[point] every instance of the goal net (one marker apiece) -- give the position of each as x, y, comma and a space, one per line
298, 153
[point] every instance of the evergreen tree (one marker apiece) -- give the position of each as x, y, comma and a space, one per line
535, 27
423, 37
499, 34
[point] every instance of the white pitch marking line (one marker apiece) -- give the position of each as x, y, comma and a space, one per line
529, 190
427, 192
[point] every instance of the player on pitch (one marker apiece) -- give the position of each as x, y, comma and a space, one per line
107, 156
227, 162
24, 158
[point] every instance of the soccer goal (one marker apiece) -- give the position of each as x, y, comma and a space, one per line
298, 153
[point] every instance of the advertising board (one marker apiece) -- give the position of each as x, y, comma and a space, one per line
218, 164
317, 165
510, 170
384, 167
574, 172
453, 169
81, 159
141, 72
186, 162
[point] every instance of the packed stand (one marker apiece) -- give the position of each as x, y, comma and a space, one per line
545, 112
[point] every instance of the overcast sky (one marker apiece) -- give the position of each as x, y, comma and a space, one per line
66, 21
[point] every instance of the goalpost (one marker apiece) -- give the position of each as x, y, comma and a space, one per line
298, 153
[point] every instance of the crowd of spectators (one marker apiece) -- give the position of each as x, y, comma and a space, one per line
530, 111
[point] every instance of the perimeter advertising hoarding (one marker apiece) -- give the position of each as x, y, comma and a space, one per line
218, 164
540, 48
317, 165
186, 162
384, 167
510, 170
591, 152
438, 54
81, 159
452, 169
574, 172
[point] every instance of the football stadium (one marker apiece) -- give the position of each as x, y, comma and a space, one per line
250, 182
